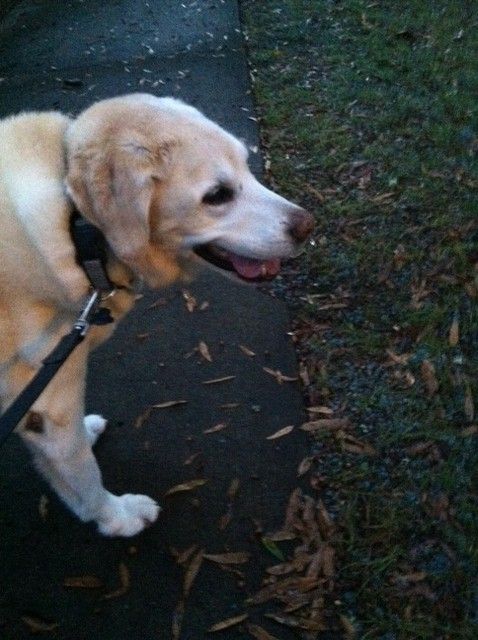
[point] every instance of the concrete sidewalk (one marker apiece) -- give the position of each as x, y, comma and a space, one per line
65, 56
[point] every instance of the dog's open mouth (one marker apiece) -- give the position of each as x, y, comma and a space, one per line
248, 269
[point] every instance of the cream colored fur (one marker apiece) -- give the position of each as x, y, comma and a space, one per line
137, 167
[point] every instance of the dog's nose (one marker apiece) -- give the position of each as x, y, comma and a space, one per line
301, 224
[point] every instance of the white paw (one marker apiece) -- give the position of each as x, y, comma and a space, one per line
127, 515
94, 427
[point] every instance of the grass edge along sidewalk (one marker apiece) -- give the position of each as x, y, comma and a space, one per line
368, 116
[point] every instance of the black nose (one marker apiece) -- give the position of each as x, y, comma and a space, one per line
301, 224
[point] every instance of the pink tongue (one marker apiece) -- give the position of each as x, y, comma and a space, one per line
251, 269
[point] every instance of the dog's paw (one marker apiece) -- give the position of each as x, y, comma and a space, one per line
94, 427
127, 515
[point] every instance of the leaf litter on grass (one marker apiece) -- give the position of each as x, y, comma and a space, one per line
350, 137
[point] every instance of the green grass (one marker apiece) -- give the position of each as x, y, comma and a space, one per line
369, 116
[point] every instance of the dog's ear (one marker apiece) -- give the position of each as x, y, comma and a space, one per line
113, 185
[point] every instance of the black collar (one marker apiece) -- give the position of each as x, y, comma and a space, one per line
91, 252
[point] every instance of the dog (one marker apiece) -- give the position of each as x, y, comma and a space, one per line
169, 189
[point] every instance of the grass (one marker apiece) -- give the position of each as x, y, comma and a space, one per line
369, 117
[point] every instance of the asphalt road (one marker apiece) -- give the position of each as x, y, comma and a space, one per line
65, 56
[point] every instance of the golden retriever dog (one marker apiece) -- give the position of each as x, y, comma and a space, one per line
168, 189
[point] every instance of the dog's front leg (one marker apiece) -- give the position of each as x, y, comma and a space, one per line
60, 438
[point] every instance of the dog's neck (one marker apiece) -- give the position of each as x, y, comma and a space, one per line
93, 255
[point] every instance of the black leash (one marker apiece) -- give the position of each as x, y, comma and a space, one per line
91, 255
91, 314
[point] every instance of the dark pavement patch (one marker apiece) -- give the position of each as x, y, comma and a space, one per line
153, 359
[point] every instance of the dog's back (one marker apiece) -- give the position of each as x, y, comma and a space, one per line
34, 214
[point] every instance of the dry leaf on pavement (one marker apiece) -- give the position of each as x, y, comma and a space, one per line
186, 486
305, 465
204, 351
217, 427
191, 572
298, 623
191, 302
83, 582
167, 404
230, 622
217, 380
282, 432
279, 376
331, 424
234, 557
233, 488
326, 411
43, 507
36, 625
247, 351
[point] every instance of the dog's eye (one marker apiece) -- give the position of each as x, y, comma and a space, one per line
219, 195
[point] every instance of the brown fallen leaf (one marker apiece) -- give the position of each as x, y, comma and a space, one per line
279, 376
429, 378
331, 424
191, 458
396, 358
36, 625
259, 633
218, 380
191, 302
82, 582
282, 432
204, 351
234, 557
161, 302
247, 351
191, 572
304, 374
324, 521
230, 622
141, 419
354, 445
469, 405
281, 569
224, 521
182, 557
276, 589
305, 465
124, 583
415, 576
469, 431
233, 488
294, 506
186, 486
167, 404
348, 627
217, 427
326, 411
177, 622
281, 536
454, 332
43, 507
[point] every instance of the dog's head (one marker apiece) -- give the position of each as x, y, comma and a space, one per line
166, 185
